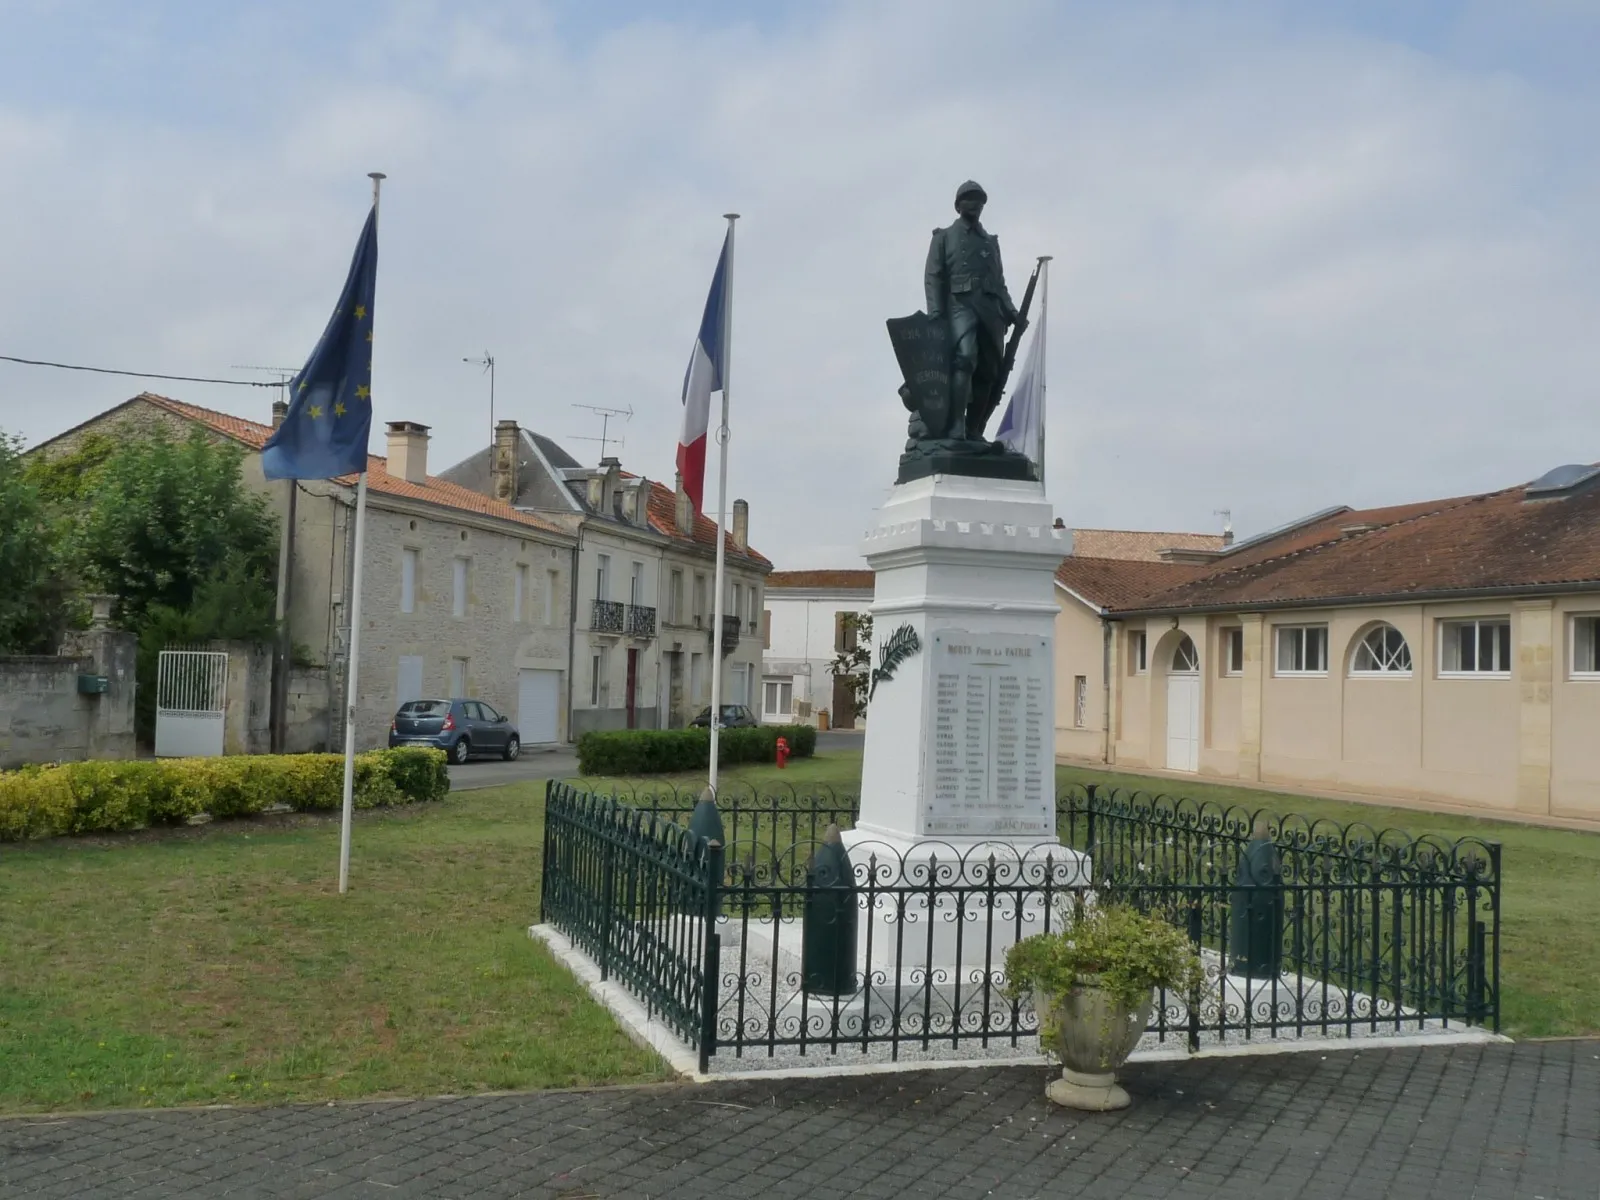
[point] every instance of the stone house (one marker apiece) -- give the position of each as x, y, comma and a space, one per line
1444, 654
808, 620
462, 594
642, 592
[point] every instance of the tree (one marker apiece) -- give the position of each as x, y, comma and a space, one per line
853, 662
33, 610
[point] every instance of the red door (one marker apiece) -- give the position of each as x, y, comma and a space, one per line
633, 684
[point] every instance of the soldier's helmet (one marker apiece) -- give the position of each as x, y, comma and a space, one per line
968, 188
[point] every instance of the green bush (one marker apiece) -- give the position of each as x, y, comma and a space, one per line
663, 751
98, 797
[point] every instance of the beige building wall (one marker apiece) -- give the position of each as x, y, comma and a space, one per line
1519, 743
1080, 655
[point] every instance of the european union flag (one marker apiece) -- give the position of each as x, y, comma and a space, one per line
330, 410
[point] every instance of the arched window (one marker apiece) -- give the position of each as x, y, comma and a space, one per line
1382, 652
1185, 658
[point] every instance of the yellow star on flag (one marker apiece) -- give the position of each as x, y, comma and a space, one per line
315, 411
338, 408
369, 335
361, 311
362, 391
302, 385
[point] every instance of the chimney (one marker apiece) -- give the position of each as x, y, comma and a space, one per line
408, 451
741, 524
597, 491
683, 509
280, 411
1227, 537
503, 462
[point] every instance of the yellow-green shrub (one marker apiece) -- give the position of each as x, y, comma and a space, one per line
95, 797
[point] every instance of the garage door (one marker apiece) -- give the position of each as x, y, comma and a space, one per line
539, 706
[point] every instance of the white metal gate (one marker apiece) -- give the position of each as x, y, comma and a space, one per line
538, 706
191, 701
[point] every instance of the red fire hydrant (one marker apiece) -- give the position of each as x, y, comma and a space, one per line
783, 752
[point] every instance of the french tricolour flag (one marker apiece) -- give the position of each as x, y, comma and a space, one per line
707, 366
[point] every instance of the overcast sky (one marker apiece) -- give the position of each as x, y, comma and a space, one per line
1305, 253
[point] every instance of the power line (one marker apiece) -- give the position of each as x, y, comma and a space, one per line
34, 362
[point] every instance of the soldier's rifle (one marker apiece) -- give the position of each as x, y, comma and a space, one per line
1017, 330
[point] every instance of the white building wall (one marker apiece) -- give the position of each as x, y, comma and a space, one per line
802, 624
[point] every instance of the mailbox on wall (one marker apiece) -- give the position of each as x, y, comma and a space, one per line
92, 685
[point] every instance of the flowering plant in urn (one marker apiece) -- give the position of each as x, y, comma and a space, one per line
1092, 983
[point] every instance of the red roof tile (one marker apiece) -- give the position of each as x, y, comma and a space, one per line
1116, 583
434, 491
1138, 544
663, 510
841, 580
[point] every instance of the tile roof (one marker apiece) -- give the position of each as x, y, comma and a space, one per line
1497, 542
1120, 583
1138, 544
435, 491
841, 580
662, 511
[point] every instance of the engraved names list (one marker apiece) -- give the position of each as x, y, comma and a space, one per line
990, 758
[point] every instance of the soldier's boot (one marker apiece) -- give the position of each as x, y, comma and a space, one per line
960, 397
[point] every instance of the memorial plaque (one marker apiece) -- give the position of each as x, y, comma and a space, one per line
991, 760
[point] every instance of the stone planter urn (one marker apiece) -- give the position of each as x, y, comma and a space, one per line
1093, 1034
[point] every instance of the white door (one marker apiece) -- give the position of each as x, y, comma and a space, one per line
1183, 709
539, 706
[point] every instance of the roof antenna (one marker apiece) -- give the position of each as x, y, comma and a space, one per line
1227, 524
284, 374
605, 414
487, 363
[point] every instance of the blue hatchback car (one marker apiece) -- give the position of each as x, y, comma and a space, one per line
461, 728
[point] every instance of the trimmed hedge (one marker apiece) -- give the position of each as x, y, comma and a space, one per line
661, 751
96, 797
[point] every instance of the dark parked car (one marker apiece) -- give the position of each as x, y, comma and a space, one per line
734, 716
461, 728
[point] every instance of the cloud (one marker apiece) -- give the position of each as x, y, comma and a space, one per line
1294, 267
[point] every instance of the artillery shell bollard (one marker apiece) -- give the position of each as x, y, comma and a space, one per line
828, 936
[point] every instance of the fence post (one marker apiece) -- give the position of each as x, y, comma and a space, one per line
1494, 903
712, 966
1476, 973
544, 858
608, 897
1088, 809
1196, 930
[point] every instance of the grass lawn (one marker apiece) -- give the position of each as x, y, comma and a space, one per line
1549, 937
220, 964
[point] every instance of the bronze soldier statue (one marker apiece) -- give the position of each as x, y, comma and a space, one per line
966, 286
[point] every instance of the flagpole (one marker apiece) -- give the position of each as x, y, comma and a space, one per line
725, 371
354, 663
1044, 345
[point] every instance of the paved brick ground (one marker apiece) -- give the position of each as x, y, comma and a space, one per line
1463, 1122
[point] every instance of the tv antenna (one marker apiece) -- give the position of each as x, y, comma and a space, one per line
284, 374
1227, 522
605, 415
487, 363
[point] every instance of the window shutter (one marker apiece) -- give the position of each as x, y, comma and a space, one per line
766, 629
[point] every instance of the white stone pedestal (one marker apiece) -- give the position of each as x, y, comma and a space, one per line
959, 762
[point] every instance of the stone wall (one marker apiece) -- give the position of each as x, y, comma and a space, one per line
43, 717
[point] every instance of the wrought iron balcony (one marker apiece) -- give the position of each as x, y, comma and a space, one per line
641, 621
730, 633
609, 616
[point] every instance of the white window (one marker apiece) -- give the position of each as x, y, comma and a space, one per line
1302, 649
696, 679
519, 592
1586, 647
1382, 652
602, 578
1080, 700
1185, 658
1481, 647
1233, 651
779, 699
755, 608
552, 589
458, 678
408, 581
739, 685
458, 589
1137, 663
599, 685
408, 679
636, 585
675, 599
735, 603
699, 600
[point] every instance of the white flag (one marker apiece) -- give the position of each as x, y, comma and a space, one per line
1022, 427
